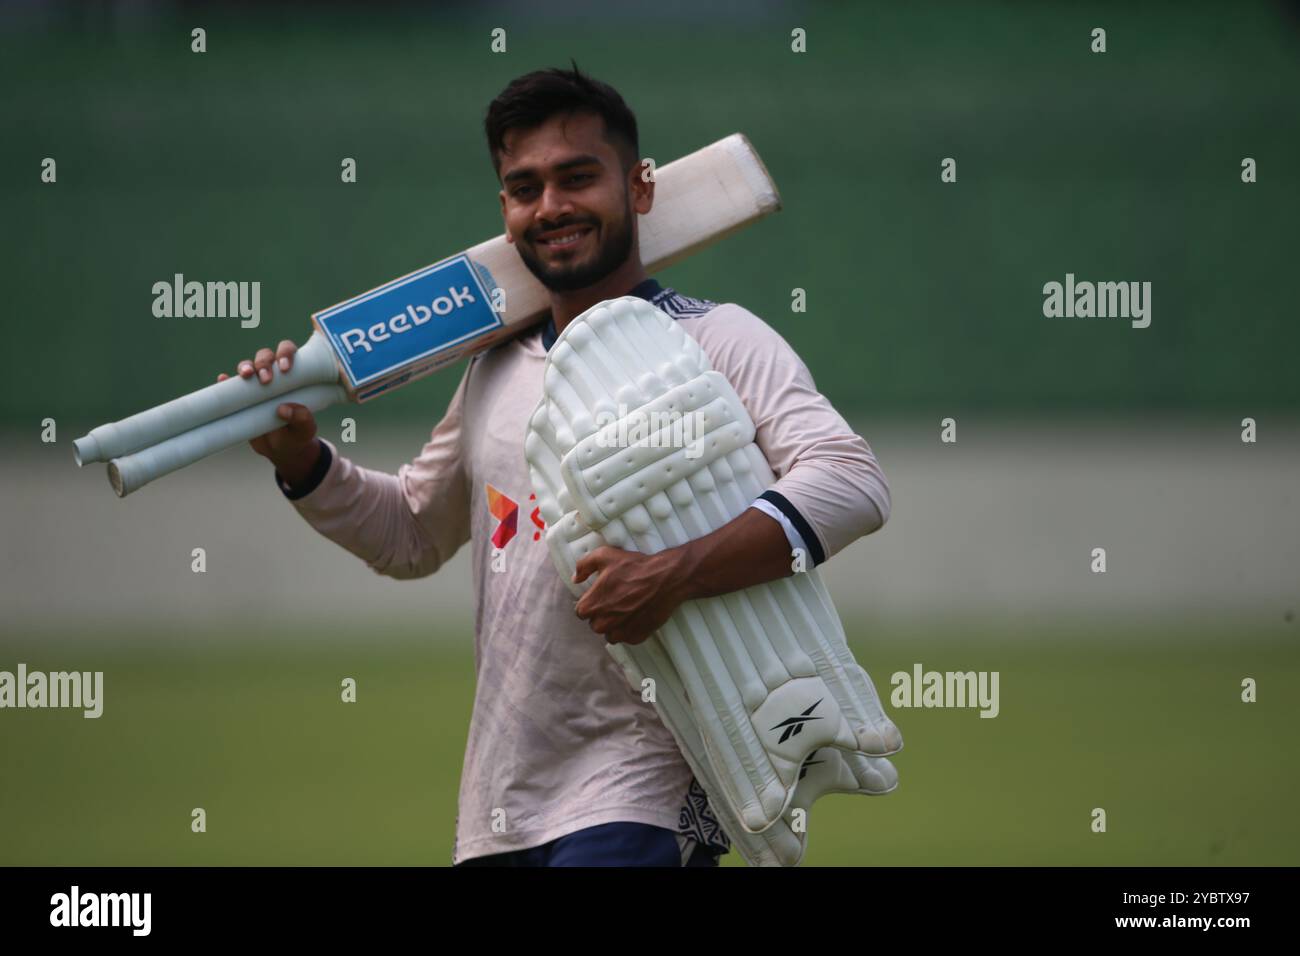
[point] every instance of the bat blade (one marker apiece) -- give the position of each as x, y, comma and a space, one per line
428, 319
424, 321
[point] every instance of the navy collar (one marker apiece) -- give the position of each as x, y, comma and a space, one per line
646, 289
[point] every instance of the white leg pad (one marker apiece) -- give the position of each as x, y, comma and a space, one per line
764, 676
826, 771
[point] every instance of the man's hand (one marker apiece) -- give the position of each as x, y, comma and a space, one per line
633, 596
636, 593
293, 447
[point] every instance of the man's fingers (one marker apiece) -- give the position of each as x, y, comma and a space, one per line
284, 353
262, 362
294, 415
588, 599
222, 377
590, 562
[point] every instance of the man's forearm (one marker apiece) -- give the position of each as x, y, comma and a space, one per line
750, 549
634, 594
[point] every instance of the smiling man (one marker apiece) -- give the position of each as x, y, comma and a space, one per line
565, 764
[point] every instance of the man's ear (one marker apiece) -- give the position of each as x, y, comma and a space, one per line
502, 196
643, 192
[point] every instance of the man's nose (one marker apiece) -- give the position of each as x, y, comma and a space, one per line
555, 205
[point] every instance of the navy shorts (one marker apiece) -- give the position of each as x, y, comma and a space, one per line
610, 844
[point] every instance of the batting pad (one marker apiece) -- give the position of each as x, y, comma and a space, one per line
763, 676
825, 771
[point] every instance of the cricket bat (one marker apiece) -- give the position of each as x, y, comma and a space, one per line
424, 321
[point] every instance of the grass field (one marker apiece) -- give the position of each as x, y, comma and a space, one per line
1150, 727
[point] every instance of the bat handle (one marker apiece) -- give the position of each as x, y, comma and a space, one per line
134, 471
313, 364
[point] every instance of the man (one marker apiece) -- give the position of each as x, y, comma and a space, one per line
565, 764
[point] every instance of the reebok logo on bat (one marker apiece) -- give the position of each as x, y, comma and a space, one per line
413, 317
793, 725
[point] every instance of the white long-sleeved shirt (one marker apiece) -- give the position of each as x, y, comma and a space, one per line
558, 741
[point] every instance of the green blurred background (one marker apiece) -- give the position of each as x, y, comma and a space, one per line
1121, 166
924, 299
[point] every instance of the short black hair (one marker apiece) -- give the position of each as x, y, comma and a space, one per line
532, 99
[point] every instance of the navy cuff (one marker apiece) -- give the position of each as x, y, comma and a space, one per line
800, 523
312, 481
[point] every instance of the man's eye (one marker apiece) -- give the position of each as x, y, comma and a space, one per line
523, 192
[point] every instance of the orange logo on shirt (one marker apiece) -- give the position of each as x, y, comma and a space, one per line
504, 509
536, 519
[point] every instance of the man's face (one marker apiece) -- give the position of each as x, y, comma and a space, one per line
569, 206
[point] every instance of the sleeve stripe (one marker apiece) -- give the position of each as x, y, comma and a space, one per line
800, 523
795, 539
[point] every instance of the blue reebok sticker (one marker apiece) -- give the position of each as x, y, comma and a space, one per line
409, 319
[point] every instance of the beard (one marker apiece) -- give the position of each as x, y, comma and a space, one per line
615, 247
